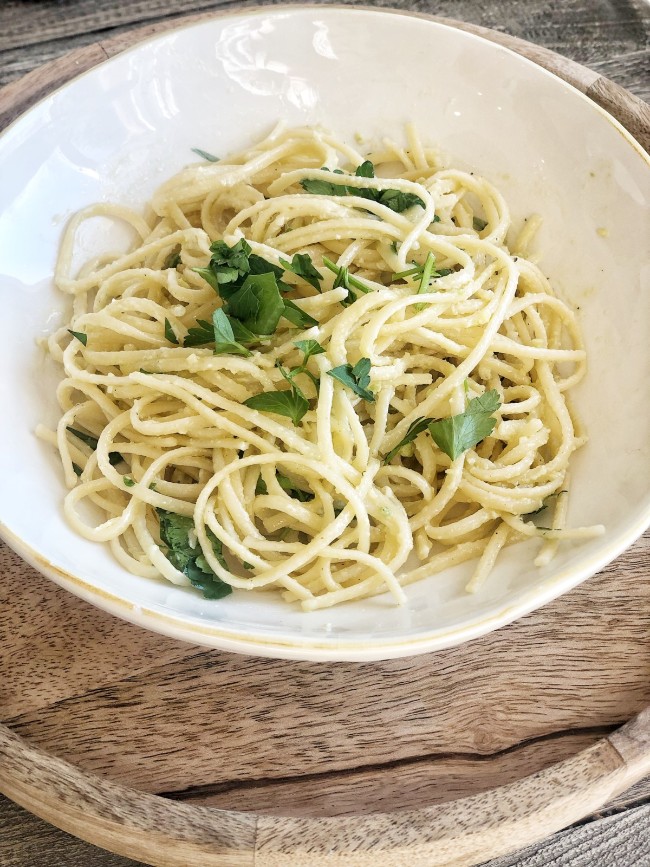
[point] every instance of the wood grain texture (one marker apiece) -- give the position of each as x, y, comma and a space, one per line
459, 833
621, 840
127, 822
506, 734
282, 718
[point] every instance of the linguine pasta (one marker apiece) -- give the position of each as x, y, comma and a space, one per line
415, 321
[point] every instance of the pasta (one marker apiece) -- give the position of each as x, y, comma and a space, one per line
376, 374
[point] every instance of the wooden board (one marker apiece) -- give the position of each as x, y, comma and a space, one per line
307, 739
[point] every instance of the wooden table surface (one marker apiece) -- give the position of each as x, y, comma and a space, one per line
610, 36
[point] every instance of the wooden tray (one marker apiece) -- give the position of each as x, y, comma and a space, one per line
438, 761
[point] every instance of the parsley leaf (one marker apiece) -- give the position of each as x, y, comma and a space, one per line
91, 441
224, 337
250, 288
257, 265
309, 348
128, 481
173, 260
302, 265
396, 200
356, 378
297, 316
323, 188
347, 280
290, 403
205, 155
459, 433
169, 333
427, 272
258, 304
417, 427
287, 485
202, 332
296, 493
81, 337
175, 533
227, 264
419, 272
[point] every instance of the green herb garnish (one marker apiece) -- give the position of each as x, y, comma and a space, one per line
308, 348
356, 378
169, 333
346, 280
297, 316
287, 485
227, 264
205, 155
546, 502
92, 442
423, 273
250, 288
461, 432
291, 403
257, 304
396, 200
416, 428
173, 260
302, 265
224, 336
175, 533
128, 481
201, 333
80, 335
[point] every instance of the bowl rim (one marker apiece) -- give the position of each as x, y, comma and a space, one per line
296, 647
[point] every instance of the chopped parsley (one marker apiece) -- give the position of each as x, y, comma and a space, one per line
458, 433
346, 280
308, 348
80, 335
175, 533
173, 260
205, 155
302, 266
250, 288
291, 403
396, 200
224, 336
356, 378
297, 316
287, 485
169, 333
416, 428
92, 442
423, 273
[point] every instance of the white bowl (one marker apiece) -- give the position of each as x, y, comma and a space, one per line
116, 132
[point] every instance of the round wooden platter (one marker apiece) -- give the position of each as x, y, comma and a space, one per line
176, 755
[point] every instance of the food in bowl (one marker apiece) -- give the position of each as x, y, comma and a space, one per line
312, 363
